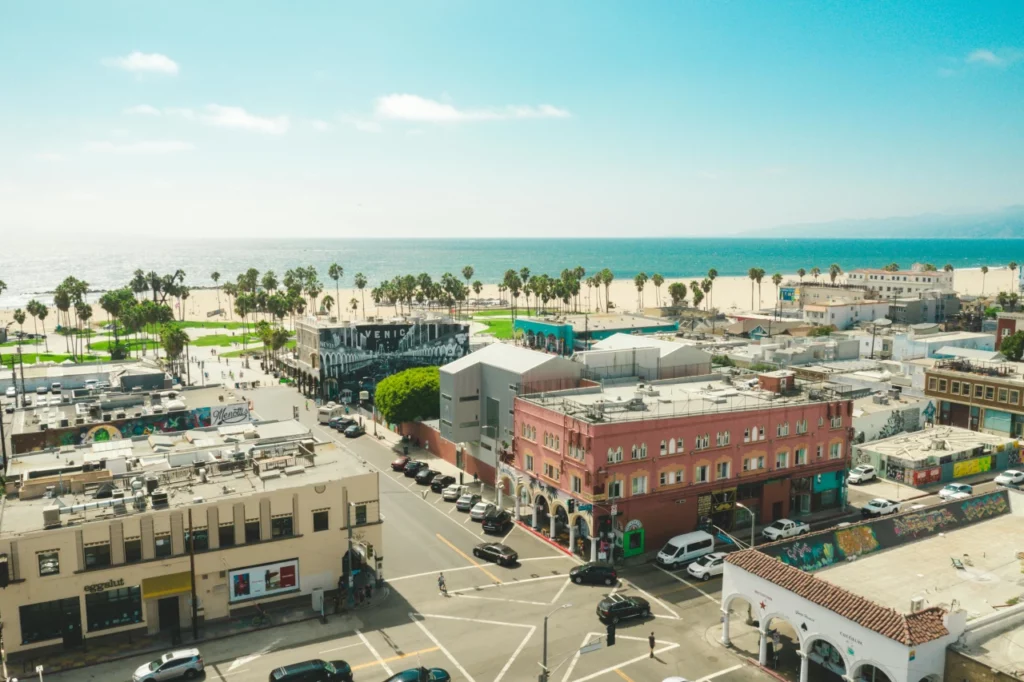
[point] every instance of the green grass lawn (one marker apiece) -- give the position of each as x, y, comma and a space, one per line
26, 342
202, 324
500, 329
224, 340
30, 358
132, 344
252, 349
492, 313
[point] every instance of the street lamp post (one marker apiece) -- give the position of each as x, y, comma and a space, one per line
752, 521
544, 661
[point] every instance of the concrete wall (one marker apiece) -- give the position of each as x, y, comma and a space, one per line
472, 461
898, 418
962, 668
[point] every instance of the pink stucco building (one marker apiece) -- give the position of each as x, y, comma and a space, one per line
640, 463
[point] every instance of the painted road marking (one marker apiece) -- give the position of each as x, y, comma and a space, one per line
468, 568
624, 675
652, 598
720, 673
440, 646
586, 639
468, 558
559, 594
513, 601
515, 654
508, 584
363, 666
339, 648
688, 583
514, 526
373, 651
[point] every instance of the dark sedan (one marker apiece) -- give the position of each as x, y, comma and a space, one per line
340, 423
503, 555
313, 670
399, 464
497, 522
425, 476
354, 431
421, 675
618, 607
413, 467
439, 483
594, 573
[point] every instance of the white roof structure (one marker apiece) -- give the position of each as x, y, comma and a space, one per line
969, 353
503, 355
627, 341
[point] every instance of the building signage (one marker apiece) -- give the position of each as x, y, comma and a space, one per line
266, 580
100, 587
237, 413
584, 507
634, 525
806, 617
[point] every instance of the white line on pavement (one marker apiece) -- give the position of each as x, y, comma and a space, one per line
373, 651
508, 584
641, 657
559, 594
475, 620
440, 646
720, 673
467, 568
514, 526
515, 654
688, 584
576, 656
513, 601
339, 648
653, 598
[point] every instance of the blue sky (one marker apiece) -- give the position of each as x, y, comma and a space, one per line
503, 119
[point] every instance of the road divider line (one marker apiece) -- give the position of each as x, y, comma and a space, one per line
468, 558
392, 659
373, 651
576, 656
720, 673
513, 601
515, 654
653, 598
465, 568
508, 584
440, 646
639, 658
623, 675
475, 620
687, 582
559, 594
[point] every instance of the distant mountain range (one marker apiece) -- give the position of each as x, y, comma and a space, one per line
1006, 223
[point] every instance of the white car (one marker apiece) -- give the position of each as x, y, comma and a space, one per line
784, 528
453, 492
481, 509
1010, 477
187, 663
880, 507
10, 392
675, 679
707, 566
861, 474
956, 491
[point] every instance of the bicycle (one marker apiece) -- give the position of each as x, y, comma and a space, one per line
261, 618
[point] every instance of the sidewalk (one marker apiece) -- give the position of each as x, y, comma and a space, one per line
128, 645
893, 490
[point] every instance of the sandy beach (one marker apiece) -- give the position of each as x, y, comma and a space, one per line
729, 294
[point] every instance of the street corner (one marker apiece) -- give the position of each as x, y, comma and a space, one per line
475, 647
628, 658
542, 590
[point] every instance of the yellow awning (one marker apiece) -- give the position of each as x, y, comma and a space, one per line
166, 585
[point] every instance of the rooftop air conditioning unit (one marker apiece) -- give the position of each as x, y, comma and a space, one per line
916, 604
159, 498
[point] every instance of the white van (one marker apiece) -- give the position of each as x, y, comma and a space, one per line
682, 549
329, 412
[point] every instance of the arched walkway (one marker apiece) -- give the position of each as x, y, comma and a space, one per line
541, 510
826, 654
872, 672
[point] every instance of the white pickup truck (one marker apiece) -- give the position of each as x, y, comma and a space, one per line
784, 528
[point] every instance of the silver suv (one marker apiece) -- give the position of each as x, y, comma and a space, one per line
187, 663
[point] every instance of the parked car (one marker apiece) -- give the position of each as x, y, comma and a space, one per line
707, 566
862, 473
340, 423
11, 392
497, 521
399, 464
313, 671
467, 502
1010, 477
682, 549
784, 528
439, 483
594, 573
481, 509
41, 390
956, 491
619, 607
425, 476
421, 675
503, 555
413, 467
182, 663
55, 387
354, 431
453, 492
879, 507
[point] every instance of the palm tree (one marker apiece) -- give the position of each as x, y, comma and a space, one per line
948, 267
215, 276
815, 273
677, 292
83, 311
777, 280
639, 281
32, 308
712, 276
759, 277
984, 271
698, 295
892, 267
173, 339
360, 281
353, 303
42, 312
607, 277
657, 280
524, 277
313, 289
801, 273
1013, 268
327, 303
477, 288
705, 287
139, 284
467, 274
752, 274
335, 272
834, 271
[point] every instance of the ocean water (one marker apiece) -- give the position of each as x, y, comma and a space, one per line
33, 270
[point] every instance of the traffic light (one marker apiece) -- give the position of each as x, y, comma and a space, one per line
610, 641
572, 506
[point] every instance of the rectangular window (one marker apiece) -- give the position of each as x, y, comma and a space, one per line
761, 432
721, 471
931, 383
965, 389
281, 526
818, 452
801, 426
666, 478
360, 514
664, 448
835, 451
113, 608
1003, 395
321, 520
551, 471
836, 422
202, 539
639, 485
49, 563
954, 387
163, 545
577, 484
528, 459
252, 531
614, 456
614, 490
43, 621
782, 460
132, 550
226, 534
97, 556
722, 438
782, 429
700, 474
979, 391
746, 435
942, 385
990, 393
1014, 397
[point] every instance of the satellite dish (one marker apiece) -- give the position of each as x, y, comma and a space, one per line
882, 322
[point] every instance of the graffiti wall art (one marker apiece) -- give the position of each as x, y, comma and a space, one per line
927, 522
978, 465
856, 540
810, 555
985, 507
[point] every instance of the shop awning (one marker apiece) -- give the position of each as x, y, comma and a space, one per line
166, 585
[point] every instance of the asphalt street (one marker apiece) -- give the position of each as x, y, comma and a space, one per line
490, 627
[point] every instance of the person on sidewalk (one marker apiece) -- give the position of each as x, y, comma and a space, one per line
650, 640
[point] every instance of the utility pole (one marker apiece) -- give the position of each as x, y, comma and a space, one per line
192, 569
348, 554
544, 661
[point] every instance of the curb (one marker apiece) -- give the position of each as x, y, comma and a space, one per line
544, 538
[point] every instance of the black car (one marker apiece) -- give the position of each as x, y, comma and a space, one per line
425, 476
439, 483
421, 675
413, 467
503, 555
340, 423
354, 431
497, 521
313, 671
594, 573
618, 607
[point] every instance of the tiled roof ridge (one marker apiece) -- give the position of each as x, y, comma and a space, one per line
908, 629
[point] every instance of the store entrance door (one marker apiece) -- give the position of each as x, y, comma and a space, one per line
168, 607
72, 630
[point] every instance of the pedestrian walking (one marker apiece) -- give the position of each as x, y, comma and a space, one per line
650, 640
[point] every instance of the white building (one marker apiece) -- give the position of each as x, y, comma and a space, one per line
645, 357
913, 344
845, 314
882, 415
901, 282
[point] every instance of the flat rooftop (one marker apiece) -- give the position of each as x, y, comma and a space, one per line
604, 322
291, 459
935, 442
621, 402
868, 405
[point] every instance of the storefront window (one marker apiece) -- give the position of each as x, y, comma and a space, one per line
320, 521
163, 545
97, 556
40, 622
227, 535
252, 531
49, 563
281, 526
113, 608
132, 550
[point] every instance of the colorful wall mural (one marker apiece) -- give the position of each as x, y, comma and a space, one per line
978, 465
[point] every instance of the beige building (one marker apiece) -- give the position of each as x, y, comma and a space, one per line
90, 552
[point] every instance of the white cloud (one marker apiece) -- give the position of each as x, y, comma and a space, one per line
321, 126
49, 156
142, 110
141, 147
141, 62
362, 125
406, 107
233, 117
1003, 57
